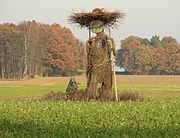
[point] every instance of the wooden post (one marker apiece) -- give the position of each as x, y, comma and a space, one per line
115, 83
113, 66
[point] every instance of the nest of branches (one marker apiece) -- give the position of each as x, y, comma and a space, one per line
83, 19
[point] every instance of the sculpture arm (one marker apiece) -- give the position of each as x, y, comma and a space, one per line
88, 57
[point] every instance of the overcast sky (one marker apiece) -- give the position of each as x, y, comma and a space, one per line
145, 18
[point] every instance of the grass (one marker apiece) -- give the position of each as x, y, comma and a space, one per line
25, 90
37, 118
155, 90
154, 117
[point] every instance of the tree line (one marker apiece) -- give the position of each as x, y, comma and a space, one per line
31, 48
143, 56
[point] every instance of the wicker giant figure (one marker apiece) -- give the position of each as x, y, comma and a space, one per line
100, 50
99, 68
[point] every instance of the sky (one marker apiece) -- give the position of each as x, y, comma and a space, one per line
144, 18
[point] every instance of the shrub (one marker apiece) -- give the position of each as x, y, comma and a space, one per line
82, 95
130, 96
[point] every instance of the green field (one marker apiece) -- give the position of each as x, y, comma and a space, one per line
56, 119
29, 90
155, 117
149, 90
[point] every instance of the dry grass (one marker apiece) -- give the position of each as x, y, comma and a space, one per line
121, 79
148, 79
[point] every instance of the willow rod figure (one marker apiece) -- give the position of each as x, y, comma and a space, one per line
100, 50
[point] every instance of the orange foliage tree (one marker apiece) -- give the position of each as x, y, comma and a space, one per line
155, 56
31, 48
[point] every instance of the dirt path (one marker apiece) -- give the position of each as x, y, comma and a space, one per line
121, 79
148, 79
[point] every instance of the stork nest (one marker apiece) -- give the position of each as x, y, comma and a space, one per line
108, 18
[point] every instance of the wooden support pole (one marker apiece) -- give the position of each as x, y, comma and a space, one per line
113, 67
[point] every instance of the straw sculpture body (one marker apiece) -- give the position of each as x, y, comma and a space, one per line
99, 68
99, 49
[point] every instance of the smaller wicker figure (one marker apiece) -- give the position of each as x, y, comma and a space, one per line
72, 86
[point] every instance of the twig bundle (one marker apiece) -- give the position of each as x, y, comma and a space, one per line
108, 18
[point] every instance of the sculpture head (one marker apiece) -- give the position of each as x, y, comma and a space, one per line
96, 27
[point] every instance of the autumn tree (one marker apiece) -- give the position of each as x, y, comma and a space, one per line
31, 48
10, 51
169, 62
64, 53
141, 56
144, 58
32, 58
126, 55
77, 47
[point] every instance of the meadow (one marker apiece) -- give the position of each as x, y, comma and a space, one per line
150, 86
24, 114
